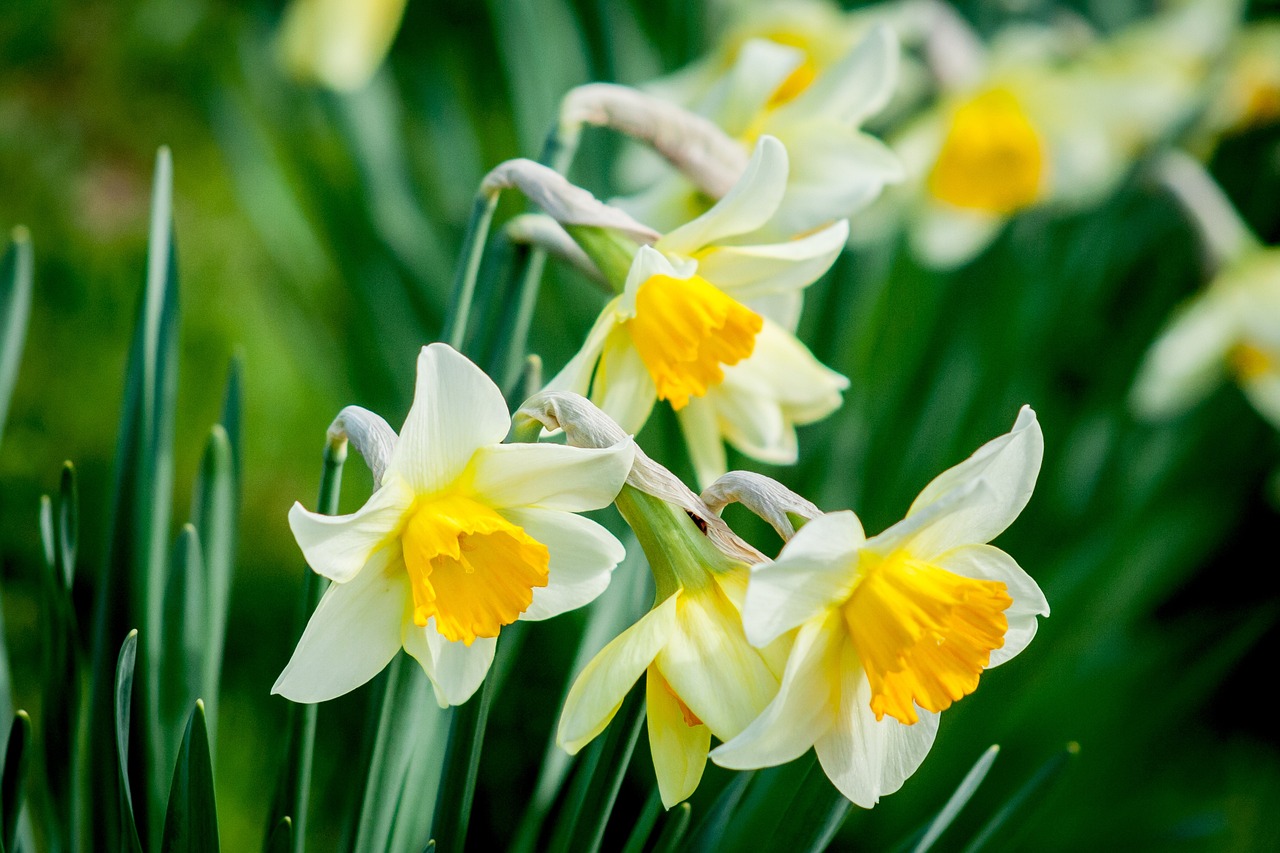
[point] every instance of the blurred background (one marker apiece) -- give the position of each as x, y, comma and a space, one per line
316, 237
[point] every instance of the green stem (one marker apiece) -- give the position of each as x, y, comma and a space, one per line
464, 284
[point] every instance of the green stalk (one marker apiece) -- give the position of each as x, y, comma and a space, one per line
464, 283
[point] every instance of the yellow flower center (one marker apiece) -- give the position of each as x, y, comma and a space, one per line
1251, 362
684, 330
795, 84
924, 634
992, 158
469, 567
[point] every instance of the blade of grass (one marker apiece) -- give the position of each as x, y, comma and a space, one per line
13, 779
644, 824
1016, 804
464, 283
128, 840
293, 788
615, 757
673, 831
710, 831
958, 800
15, 312
461, 764
214, 510
183, 651
191, 819
281, 838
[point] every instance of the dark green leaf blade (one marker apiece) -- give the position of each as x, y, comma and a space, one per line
128, 828
15, 312
13, 780
191, 820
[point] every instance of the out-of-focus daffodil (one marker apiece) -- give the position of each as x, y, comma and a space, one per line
775, 89
1232, 328
893, 629
704, 320
1248, 94
338, 43
702, 677
1047, 117
462, 536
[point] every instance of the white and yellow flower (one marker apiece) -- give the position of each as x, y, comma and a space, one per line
702, 677
338, 43
704, 321
1047, 118
777, 89
462, 536
893, 629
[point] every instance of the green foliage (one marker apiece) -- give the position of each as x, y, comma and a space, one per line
191, 819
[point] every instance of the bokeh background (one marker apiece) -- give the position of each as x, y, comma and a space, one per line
316, 237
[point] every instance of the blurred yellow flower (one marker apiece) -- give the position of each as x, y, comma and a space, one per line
338, 43
462, 536
892, 630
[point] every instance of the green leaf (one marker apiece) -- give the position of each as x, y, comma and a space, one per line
13, 780
127, 825
710, 831
816, 812
191, 820
214, 513
1030, 790
68, 539
968, 786
674, 830
182, 659
15, 312
281, 838
293, 788
644, 824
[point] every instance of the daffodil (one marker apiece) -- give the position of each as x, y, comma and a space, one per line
1229, 330
1045, 118
338, 43
702, 677
462, 536
775, 89
1248, 92
704, 320
890, 631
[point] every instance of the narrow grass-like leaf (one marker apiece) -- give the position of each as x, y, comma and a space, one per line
128, 841
710, 831
461, 764
293, 788
673, 831
1016, 804
60, 706
14, 777
191, 819
813, 816
214, 513
281, 838
464, 284
15, 312
959, 799
183, 651
644, 824
617, 746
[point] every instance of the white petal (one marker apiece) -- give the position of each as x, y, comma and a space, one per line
1006, 469
623, 387
752, 420
353, 634
338, 546
744, 92
711, 667
751, 272
1264, 393
986, 562
836, 172
783, 369
702, 438
551, 476
946, 237
746, 207
1188, 360
865, 758
576, 375
816, 570
583, 556
455, 669
599, 690
802, 711
456, 410
855, 88
679, 750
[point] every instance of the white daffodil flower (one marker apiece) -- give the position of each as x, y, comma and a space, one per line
893, 629
704, 321
702, 677
338, 43
1232, 328
777, 90
1051, 118
1248, 93
462, 536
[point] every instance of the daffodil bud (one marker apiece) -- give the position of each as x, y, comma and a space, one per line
562, 201
765, 497
338, 43
543, 232
707, 156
